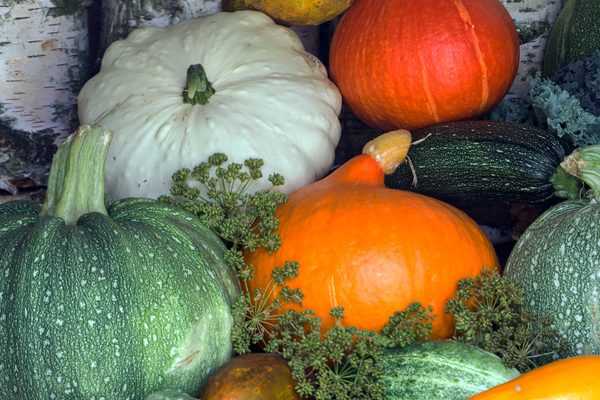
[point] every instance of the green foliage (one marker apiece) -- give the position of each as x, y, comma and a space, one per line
257, 313
246, 221
514, 109
342, 364
489, 314
563, 112
582, 80
409, 326
568, 104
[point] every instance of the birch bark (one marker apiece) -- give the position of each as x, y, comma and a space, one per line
44, 60
122, 16
119, 17
534, 20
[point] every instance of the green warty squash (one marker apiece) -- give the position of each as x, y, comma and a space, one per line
557, 260
107, 304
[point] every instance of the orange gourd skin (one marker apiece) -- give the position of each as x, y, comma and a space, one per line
413, 63
255, 376
299, 12
574, 378
373, 250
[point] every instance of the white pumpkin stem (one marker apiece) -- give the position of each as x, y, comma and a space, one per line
389, 149
76, 181
584, 164
198, 89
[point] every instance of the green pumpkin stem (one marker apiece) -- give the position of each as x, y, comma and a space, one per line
584, 164
76, 181
198, 90
566, 186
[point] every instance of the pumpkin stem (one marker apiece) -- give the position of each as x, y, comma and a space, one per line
198, 90
76, 181
566, 186
584, 164
390, 149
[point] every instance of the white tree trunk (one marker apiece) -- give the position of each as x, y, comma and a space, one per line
534, 20
119, 17
44, 60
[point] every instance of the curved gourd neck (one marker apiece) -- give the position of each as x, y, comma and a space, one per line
584, 164
381, 156
76, 181
198, 89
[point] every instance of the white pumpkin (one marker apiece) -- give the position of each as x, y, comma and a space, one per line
272, 100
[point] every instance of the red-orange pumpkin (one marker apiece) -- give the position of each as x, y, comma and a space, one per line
374, 250
414, 63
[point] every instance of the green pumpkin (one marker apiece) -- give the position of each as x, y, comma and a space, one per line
113, 304
447, 370
557, 260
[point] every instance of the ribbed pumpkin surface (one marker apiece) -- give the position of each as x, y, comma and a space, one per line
113, 307
414, 63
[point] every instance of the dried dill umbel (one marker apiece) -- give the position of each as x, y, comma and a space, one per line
489, 313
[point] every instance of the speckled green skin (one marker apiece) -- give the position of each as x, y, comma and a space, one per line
477, 161
112, 308
557, 263
575, 34
442, 370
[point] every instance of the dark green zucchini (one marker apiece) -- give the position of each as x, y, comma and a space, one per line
474, 161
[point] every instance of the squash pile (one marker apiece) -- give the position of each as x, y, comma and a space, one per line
107, 292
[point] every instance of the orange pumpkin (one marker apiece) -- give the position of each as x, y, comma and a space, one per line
574, 378
414, 63
374, 250
252, 377
297, 12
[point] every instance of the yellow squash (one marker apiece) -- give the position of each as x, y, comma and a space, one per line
295, 12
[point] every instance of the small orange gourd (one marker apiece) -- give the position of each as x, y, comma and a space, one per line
254, 376
371, 249
573, 378
297, 12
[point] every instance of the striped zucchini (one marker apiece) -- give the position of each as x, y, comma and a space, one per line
474, 161
441, 370
575, 35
